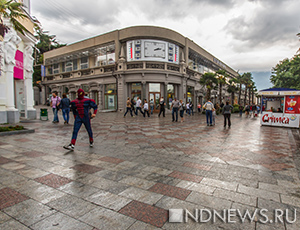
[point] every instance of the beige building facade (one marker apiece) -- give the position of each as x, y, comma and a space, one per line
16, 69
143, 61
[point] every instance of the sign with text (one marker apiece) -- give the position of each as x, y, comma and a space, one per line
18, 69
280, 119
292, 104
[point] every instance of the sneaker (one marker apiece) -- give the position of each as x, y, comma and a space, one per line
69, 147
91, 144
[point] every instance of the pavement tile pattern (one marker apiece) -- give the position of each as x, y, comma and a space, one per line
139, 168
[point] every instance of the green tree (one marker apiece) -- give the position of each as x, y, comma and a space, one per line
286, 74
239, 81
210, 81
14, 12
246, 80
233, 88
45, 43
221, 76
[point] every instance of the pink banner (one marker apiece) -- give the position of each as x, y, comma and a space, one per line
18, 69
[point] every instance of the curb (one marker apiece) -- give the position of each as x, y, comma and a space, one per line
8, 133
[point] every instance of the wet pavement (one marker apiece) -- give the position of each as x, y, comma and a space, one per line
139, 168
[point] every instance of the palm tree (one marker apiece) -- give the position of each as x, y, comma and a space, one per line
14, 12
221, 75
232, 88
239, 81
210, 81
246, 80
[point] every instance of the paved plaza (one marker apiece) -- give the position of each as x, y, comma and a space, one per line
139, 168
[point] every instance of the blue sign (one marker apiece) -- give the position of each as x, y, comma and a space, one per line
43, 71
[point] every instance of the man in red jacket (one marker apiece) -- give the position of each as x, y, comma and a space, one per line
80, 107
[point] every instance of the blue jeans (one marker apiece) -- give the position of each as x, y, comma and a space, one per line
65, 113
77, 124
128, 109
151, 108
175, 111
208, 114
55, 118
138, 108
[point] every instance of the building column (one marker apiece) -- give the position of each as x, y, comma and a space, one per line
30, 112
143, 90
11, 40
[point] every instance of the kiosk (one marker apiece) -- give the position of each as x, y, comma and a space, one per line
280, 107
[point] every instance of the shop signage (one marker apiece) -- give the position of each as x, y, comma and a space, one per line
280, 119
18, 69
292, 104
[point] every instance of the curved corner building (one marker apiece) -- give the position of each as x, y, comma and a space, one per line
141, 61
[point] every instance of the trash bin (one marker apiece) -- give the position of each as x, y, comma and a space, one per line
44, 114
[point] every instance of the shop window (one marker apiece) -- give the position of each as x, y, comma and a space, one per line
86, 89
63, 69
171, 94
190, 94
105, 55
84, 63
69, 66
111, 54
75, 66
154, 87
136, 90
55, 68
50, 70
110, 97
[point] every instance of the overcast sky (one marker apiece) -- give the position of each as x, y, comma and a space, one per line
250, 35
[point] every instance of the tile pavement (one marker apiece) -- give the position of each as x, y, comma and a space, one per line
139, 168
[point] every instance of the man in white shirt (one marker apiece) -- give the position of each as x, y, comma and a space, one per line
209, 106
138, 106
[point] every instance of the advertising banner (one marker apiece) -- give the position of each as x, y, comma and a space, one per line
18, 69
280, 119
292, 104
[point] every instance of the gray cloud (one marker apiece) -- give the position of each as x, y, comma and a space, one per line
88, 13
267, 27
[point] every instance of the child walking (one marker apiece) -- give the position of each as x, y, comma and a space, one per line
214, 117
146, 108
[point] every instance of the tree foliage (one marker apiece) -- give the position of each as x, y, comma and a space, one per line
286, 74
210, 81
14, 12
45, 43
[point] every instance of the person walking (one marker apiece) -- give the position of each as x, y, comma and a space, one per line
146, 108
191, 108
128, 107
65, 107
151, 105
181, 110
80, 108
226, 111
55, 101
247, 110
174, 108
188, 109
199, 107
208, 106
132, 104
214, 114
138, 106
162, 106
241, 110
